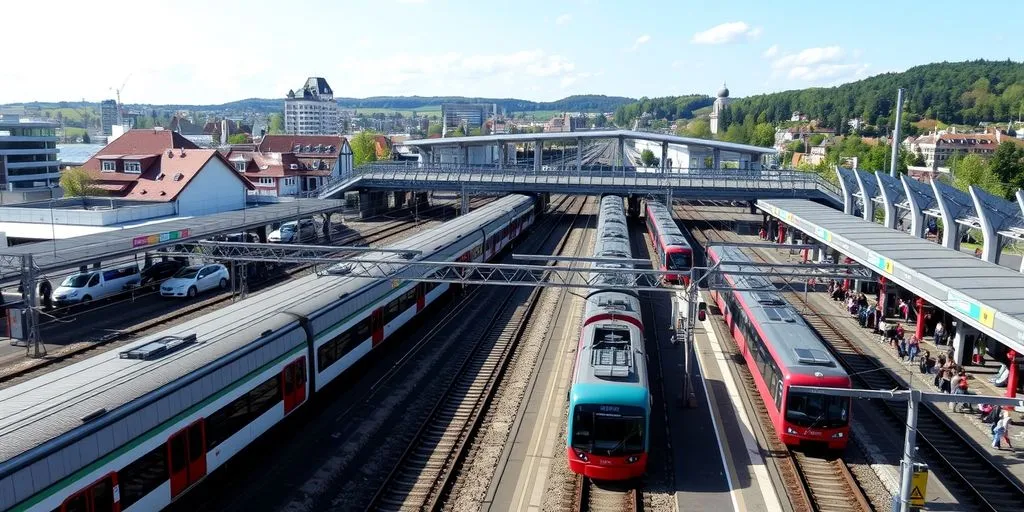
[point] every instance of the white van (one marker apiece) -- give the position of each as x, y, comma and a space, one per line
86, 287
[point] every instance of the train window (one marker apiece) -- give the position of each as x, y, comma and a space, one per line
236, 415
391, 310
142, 476
408, 300
264, 397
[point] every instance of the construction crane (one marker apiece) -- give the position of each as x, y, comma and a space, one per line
120, 118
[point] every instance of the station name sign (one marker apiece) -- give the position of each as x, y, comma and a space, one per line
159, 238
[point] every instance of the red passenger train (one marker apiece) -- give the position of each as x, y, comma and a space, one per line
674, 252
781, 350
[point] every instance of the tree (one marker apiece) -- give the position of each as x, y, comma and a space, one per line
1008, 164
698, 128
238, 138
433, 129
364, 148
77, 182
817, 139
647, 158
974, 170
275, 124
85, 138
599, 121
764, 135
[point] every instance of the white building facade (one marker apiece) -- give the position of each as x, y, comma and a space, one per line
311, 110
721, 103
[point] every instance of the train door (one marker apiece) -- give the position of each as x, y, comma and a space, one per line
102, 496
294, 384
421, 296
377, 326
186, 456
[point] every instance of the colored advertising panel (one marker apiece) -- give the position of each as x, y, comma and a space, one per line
159, 238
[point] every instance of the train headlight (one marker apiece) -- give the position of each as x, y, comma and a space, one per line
790, 430
631, 459
582, 456
838, 435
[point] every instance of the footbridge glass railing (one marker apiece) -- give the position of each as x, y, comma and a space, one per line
460, 174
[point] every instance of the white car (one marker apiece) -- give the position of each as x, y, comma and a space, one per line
193, 279
292, 232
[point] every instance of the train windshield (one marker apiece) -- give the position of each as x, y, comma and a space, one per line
819, 411
679, 261
611, 430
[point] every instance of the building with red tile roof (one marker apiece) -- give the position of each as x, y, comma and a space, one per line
938, 147
160, 165
284, 165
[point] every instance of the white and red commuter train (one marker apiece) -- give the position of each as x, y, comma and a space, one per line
609, 401
135, 428
674, 251
781, 350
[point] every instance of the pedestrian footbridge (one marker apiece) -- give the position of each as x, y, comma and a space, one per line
716, 184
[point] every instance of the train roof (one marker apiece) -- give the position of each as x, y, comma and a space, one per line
611, 364
611, 240
795, 344
668, 230
90, 394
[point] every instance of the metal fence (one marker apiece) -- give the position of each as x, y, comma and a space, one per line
458, 176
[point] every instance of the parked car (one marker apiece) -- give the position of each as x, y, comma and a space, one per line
159, 271
86, 287
194, 279
293, 232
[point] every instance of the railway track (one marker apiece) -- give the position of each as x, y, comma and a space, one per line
830, 484
427, 469
30, 367
593, 497
812, 483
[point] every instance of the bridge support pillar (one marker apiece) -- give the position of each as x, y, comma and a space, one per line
622, 152
502, 155
399, 198
538, 154
753, 207
664, 157
464, 202
262, 232
633, 207
422, 199
579, 154
716, 159
464, 153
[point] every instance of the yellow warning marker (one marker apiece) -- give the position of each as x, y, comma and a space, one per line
919, 486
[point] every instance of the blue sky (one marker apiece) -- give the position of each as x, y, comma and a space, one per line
192, 51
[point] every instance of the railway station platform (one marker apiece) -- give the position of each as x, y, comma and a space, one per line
969, 423
981, 296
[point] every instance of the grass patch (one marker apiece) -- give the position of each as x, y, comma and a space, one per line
1012, 249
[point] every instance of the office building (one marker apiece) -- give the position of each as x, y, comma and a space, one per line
108, 115
28, 154
469, 116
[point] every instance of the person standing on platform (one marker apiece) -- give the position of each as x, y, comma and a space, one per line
1001, 430
940, 334
947, 377
913, 347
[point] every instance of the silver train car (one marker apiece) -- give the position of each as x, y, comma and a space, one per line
135, 428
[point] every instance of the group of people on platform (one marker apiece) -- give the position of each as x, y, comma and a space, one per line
949, 377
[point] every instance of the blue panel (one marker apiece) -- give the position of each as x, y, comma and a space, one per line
40, 475
57, 467
7, 494
23, 488
619, 394
105, 440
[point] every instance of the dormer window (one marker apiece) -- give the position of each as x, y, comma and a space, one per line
109, 166
132, 166
240, 165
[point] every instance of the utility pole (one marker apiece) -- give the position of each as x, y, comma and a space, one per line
893, 165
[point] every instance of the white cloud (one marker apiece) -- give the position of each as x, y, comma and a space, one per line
827, 63
563, 19
640, 41
726, 33
772, 51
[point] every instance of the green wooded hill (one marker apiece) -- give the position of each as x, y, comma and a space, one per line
952, 92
